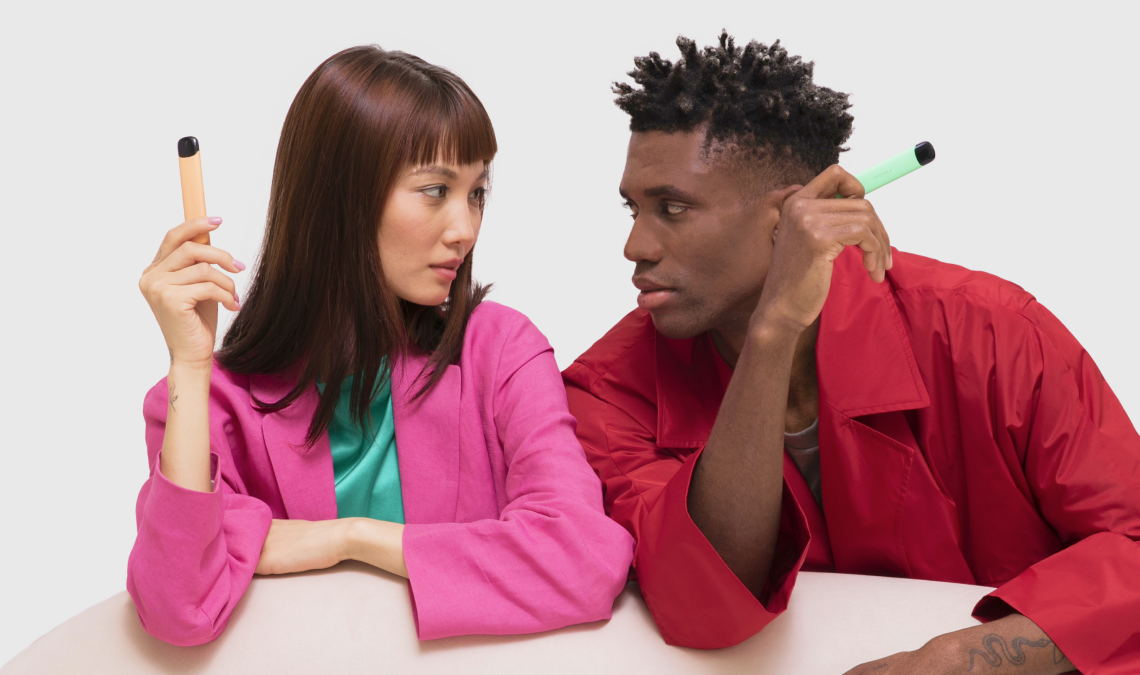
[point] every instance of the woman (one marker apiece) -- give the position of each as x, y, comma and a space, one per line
364, 385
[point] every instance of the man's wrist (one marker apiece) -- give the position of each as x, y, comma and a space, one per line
768, 331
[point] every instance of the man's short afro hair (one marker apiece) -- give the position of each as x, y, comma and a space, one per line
757, 97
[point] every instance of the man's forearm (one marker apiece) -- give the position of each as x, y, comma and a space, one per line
737, 485
1014, 642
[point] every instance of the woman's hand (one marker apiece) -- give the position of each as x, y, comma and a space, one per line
302, 545
184, 289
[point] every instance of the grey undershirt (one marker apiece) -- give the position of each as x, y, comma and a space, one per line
804, 450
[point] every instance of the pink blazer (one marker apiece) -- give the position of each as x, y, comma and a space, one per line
505, 528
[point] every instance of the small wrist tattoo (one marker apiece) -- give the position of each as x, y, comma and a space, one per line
996, 647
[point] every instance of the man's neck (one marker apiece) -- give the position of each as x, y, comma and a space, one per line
803, 387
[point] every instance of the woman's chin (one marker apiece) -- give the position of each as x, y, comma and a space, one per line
427, 298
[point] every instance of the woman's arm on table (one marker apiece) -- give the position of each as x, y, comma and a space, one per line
552, 558
302, 545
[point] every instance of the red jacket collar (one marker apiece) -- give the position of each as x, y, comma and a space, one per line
864, 361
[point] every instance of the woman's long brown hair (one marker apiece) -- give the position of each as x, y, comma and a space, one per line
318, 304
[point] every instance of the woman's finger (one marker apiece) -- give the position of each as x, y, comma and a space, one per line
184, 233
198, 273
190, 253
204, 292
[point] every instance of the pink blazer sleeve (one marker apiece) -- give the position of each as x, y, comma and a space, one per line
195, 552
552, 558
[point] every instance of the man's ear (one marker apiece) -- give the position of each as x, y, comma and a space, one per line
776, 199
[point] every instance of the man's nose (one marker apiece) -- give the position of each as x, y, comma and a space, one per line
642, 244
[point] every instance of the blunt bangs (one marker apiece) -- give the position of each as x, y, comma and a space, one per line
440, 119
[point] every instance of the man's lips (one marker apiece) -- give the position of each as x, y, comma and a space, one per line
652, 295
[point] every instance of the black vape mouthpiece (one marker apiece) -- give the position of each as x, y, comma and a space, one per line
188, 147
923, 152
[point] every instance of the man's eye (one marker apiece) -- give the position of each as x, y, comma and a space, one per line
632, 209
673, 209
435, 191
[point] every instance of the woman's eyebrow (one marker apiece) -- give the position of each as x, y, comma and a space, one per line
436, 169
446, 172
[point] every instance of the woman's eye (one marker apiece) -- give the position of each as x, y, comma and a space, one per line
478, 195
674, 210
435, 191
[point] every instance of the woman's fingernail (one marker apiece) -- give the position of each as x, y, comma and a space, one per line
239, 264
214, 220
236, 299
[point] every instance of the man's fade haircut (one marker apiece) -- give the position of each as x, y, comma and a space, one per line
757, 99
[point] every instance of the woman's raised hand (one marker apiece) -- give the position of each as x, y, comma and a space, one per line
183, 289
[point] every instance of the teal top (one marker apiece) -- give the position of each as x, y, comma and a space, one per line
365, 468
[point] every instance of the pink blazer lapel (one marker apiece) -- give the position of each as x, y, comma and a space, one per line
427, 441
304, 475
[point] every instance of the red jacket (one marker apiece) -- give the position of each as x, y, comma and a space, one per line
965, 436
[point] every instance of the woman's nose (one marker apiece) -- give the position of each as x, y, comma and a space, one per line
462, 227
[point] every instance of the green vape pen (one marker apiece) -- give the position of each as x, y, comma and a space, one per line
896, 167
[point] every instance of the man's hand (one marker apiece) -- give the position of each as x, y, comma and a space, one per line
814, 229
1013, 643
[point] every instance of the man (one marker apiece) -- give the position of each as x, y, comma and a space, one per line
793, 394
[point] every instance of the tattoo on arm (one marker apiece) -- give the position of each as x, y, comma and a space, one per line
991, 656
173, 398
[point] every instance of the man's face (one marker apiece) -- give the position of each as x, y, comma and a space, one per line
701, 245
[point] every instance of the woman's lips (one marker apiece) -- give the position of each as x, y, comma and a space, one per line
447, 273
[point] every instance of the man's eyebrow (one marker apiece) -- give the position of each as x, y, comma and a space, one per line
672, 192
437, 169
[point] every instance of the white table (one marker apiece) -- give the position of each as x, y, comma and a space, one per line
355, 619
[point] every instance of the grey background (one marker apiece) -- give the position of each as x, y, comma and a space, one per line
1032, 111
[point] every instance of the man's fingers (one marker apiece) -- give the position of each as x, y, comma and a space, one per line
184, 233
834, 180
862, 230
837, 213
